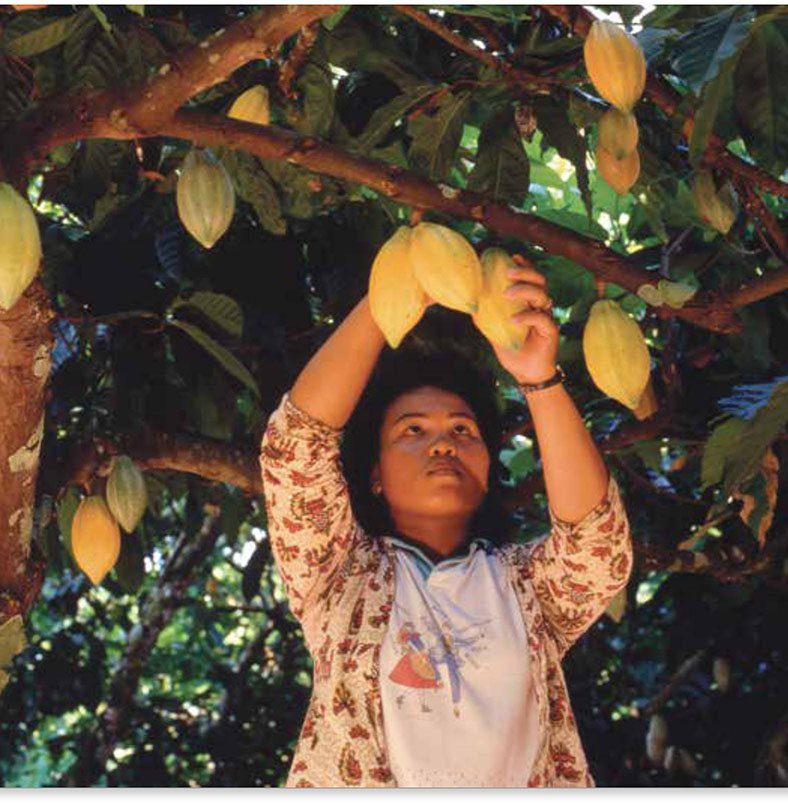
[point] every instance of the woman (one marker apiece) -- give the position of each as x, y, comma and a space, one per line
437, 652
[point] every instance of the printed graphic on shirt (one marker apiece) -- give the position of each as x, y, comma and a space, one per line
431, 649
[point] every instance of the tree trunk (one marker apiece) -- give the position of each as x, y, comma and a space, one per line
25, 346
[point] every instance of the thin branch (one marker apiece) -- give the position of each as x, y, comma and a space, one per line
516, 75
578, 20
188, 554
296, 58
685, 669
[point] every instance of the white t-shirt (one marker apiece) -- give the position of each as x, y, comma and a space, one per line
455, 678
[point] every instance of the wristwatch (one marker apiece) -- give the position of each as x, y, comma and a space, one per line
558, 377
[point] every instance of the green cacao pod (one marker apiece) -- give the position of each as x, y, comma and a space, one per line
20, 246
446, 266
95, 538
616, 353
493, 317
127, 493
252, 106
396, 299
718, 208
205, 197
618, 133
615, 64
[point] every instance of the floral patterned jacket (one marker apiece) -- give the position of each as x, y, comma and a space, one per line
340, 584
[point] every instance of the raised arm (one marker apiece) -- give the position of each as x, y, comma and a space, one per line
310, 522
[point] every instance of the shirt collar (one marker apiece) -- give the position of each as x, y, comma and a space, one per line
476, 544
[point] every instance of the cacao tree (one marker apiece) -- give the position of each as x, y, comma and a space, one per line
192, 198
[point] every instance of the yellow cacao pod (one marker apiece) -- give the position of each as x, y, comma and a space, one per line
396, 298
20, 246
205, 197
721, 670
618, 133
718, 208
127, 494
648, 405
616, 353
493, 317
446, 266
252, 106
620, 174
615, 64
95, 538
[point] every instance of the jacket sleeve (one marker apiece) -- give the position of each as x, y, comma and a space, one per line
310, 522
576, 569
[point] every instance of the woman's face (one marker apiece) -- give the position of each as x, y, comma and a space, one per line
433, 460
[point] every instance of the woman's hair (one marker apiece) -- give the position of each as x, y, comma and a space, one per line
395, 374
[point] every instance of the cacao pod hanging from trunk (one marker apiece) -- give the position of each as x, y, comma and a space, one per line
20, 246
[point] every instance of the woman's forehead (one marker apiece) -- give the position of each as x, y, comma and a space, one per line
427, 400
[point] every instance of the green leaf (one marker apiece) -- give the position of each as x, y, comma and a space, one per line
700, 53
332, 20
317, 96
385, 117
722, 443
756, 437
102, 18
255, 187
219, 353
559, 133
716, 95
136, 9
761, 94
502, 170
43, 38
220, 309
436, 136
567, 282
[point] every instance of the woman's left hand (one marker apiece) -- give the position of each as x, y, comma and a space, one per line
535, 361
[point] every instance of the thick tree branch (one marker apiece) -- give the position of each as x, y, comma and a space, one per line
578, 20
213, 460
143, 109
274, 143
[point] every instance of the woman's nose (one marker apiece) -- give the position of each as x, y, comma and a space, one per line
443, 446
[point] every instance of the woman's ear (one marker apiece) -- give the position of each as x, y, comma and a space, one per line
374, 480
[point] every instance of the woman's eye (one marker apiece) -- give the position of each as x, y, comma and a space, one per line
413, 429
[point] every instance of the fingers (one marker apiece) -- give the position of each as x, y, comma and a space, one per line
526, 273
541, 320
530, 293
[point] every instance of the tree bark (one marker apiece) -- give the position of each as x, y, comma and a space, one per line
25, 346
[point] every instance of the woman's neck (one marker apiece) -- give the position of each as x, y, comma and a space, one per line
438, 539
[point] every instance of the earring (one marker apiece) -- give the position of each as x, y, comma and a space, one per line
376, 489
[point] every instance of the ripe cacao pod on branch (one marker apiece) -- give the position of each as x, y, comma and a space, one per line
618, 133
493, 318
396, 299
616, 353
446, 266
20, 246
127, 494
95, 538
205, 197
620, 174
252, 106
615, 64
